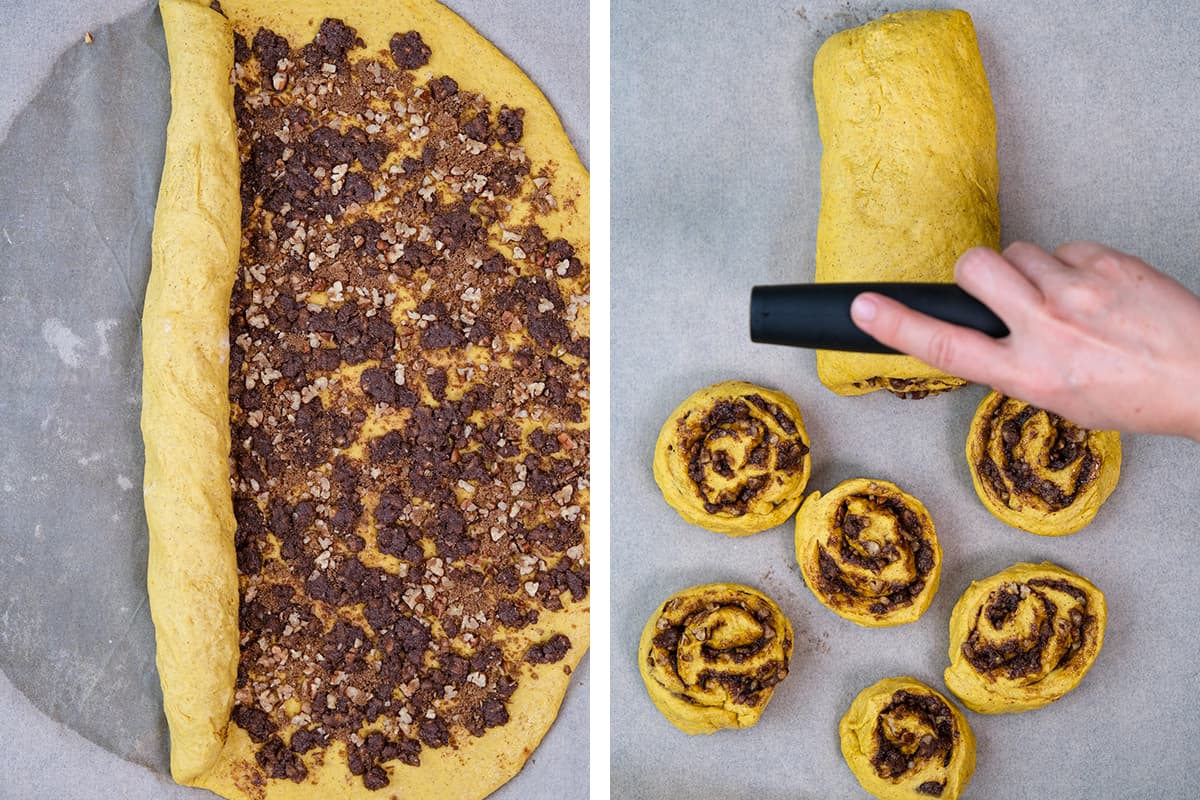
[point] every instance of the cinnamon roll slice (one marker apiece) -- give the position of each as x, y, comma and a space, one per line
869, 552
905, 741
1023, 638
733, 458
1035, 470
711, 656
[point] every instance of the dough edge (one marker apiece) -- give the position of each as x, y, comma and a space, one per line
192, 569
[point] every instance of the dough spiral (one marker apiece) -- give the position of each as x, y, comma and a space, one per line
711, 655
869, 552
733, 458
1035, 470
1023, 638
905, 741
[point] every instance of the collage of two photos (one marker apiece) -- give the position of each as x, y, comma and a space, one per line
421, 399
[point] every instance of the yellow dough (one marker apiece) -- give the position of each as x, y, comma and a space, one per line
909, 177
905, 741
1023, 638
711, 656
193, 570
1035, 470
733, 458
869, 552
192, 576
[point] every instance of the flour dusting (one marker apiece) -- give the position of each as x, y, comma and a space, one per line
64, 341
102, 329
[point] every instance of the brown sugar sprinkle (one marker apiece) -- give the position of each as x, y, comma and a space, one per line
409, 396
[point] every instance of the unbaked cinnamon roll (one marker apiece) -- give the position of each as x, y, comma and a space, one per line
869, 552
1023, 638
905, 741
1035, 470
733, 458
711, 656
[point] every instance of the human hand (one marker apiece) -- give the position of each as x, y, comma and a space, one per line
1096, 336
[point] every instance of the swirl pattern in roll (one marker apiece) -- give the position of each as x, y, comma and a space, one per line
711, 656
1023, 638
1035, 470
905, 741
869, 552
733, 458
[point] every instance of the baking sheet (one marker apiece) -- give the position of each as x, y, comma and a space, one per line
715, 169
80, 160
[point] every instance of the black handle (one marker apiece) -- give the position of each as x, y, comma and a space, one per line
817, 315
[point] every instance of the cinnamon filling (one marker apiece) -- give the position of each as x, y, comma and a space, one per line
850, 549
912, 730
1023, 655
1066, 450
741, 420
407, 407
910, 388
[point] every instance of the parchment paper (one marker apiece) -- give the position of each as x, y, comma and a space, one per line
715, 170
79, 171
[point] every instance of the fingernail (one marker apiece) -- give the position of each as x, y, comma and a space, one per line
863, 309
974, 264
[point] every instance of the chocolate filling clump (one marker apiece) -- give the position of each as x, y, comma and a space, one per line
409, 50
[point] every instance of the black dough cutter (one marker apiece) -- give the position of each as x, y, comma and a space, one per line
817, 315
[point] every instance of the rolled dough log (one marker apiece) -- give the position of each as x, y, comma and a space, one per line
909, 177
